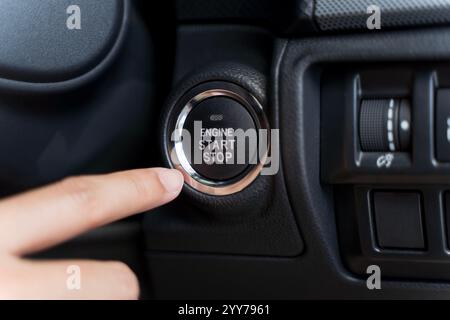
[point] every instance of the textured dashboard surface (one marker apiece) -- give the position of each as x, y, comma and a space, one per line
38, 43
352, 14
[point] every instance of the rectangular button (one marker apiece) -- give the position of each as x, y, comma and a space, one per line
442, 125
398, 220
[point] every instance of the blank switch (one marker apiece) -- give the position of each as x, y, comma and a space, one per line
398, 219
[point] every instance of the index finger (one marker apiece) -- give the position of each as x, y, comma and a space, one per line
42, 218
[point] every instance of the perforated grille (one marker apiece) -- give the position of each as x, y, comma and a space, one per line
352, 14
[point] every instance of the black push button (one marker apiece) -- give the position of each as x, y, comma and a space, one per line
214, 139
443, 125
398, 220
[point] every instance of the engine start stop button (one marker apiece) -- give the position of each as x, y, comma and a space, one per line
221, 131
218, 134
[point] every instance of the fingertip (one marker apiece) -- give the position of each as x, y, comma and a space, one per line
127, 283
172, 180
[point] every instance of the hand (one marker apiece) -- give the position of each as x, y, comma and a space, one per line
45, 217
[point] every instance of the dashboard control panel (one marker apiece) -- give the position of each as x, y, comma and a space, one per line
385, 148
